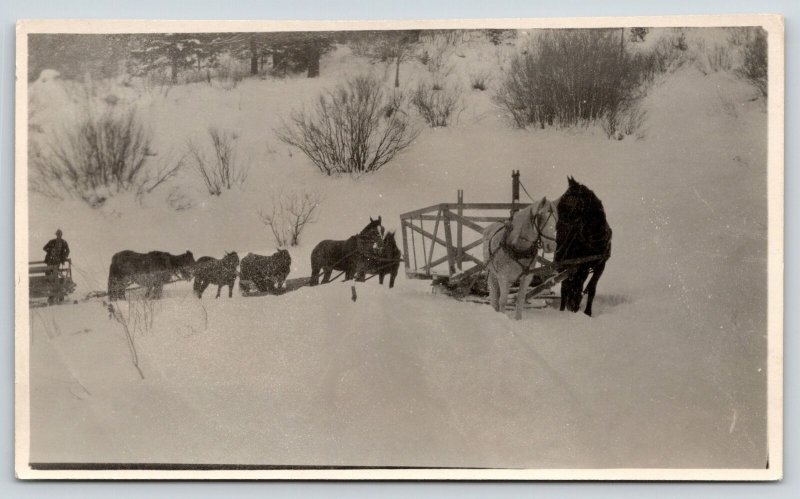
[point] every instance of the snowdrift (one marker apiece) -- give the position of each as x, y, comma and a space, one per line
670, 373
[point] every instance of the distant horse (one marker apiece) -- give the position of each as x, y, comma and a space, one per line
387, 261
349, 256
266, 273
149, 270
510, 249
210, 270
582, 231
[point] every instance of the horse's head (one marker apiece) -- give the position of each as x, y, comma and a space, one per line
535, 224
573, 203
545, 216
230, 260
372, 235
185, 265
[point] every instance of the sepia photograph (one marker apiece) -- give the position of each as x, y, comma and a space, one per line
519, 249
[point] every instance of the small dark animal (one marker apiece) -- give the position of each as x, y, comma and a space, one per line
222, 272
388, 260
150, 270
350, 256
266, 273
581, 231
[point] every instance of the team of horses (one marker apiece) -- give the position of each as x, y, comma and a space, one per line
371, 251
573, 227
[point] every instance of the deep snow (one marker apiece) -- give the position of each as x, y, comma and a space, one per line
671, 372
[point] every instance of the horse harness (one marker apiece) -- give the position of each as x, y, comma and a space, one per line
529, 253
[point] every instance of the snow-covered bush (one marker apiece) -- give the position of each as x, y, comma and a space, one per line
572, 77
348, 131
437, 107
754, 65
627, 119
104, 153
289, 214
568, 77
230, 71
479, 80
224, 170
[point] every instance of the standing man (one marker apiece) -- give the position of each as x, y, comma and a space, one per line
56, 253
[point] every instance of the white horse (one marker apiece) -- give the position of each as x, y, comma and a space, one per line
509, 251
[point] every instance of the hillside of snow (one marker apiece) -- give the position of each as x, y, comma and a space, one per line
671, 371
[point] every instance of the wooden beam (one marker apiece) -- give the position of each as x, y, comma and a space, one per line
427, 234
435, 231
416, 213
472, 225
405, 245
548, 283
448, 236
459, 231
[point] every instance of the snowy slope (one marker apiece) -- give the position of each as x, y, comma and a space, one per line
670, 372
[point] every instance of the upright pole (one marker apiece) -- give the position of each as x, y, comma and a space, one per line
514, 190
459, 231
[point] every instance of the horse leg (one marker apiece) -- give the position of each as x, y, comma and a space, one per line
380, 278
524, 281
230, 289
198, 284
502, 300
391, 278
314, 280
591, 288
219, 290
494, 291
326, 277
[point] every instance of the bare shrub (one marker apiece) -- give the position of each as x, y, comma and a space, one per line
289, 214
437, 107
569, 77
436, 57
224, 170
754, 65
727, 105
347, 130
479, 80
105, 153
719, 58
626, 119
396, 103
137, 315
229, 72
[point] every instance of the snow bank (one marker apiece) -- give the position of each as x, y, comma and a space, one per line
670, 372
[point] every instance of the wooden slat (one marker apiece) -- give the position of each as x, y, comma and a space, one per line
428, 264
405, 245
475, 218
548, 283
460, 231
483, 206
448, 235
464, 220
428, 235
416, 213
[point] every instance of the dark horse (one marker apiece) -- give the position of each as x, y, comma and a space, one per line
387, 261
350, 256
222, 272
150, 270
266, 273
581, 231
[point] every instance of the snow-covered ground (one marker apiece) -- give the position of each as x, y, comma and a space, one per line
671, 371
